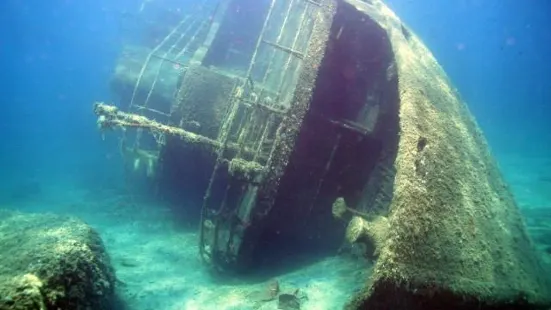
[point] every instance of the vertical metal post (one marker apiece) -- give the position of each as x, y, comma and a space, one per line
226, 127
183, 51
148, 58
293, 47
325, 171
259, 41
245, 130
159, 68
162, 60
142, 71
267, 127
278, 41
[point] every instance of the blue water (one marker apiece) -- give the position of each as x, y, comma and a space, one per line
496, 53
57, 57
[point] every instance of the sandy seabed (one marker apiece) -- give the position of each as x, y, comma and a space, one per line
158, 267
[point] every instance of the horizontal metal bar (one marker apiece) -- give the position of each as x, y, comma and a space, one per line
110, 117
183, 65
313, 2
139, 107
285, 49
350, 125
252, 104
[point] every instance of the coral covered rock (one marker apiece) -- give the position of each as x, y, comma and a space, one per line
52, 262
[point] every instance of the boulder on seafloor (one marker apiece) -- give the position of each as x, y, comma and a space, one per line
52, 262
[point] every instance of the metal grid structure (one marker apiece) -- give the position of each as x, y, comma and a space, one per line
260, 97
255, 112
259, 101
174, 49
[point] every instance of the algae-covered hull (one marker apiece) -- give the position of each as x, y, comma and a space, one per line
454, 237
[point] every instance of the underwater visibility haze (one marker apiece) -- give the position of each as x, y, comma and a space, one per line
275, 154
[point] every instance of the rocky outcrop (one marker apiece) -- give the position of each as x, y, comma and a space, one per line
52, 262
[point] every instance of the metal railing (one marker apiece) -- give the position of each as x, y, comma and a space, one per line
258, 118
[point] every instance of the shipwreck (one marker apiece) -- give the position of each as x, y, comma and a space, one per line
279, 125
